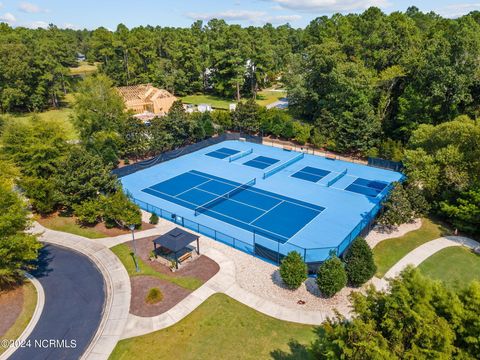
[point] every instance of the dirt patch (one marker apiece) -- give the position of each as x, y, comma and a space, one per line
11, 303
172, 295
202, 267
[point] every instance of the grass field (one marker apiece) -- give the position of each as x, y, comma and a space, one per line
69, 225
84, 68
220, 328
455, 266
61, 115
124, 253
389, 251
28, 308
264, 98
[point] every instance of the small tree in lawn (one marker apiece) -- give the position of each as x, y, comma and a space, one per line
359, 263
331, 276
293, 270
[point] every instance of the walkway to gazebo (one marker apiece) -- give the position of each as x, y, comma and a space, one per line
175, 241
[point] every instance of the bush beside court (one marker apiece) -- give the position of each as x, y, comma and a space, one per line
359, 263
331, 276
293, 270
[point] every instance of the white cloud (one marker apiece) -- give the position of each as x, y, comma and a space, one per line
254, 17
30, 8
1, 5
9, 18
457, 10
330, 6
247, 15
70, 26
36, 24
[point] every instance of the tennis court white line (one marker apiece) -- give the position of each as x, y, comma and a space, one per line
185, 191
237, 201
266, 212
252, 189
224, 215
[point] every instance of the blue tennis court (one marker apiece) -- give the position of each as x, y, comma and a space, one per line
264, 200
366, 187
222, 153
261, 162
271, 215
312, 174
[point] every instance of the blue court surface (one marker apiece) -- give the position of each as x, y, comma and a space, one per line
310, 205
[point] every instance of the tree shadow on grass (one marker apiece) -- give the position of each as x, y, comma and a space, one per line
297, 352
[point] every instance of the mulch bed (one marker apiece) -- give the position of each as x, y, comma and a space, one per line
11, 303
172, 295
202, 268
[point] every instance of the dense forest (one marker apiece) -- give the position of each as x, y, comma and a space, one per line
402, 86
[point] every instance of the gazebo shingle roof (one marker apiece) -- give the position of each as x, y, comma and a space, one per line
175, 240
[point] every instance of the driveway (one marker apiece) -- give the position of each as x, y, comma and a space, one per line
74, 301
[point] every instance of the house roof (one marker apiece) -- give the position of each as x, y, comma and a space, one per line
144, 92
176, 239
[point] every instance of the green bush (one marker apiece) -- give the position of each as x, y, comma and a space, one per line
293, 270
154, 296
154, 219
359, 263
331, 276
89, 212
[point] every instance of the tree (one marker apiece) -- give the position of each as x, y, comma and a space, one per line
17, 248
246, 116
83, 177
331, 276
359, 263
293, 270
118, 210
99, 117
464, 212
397, 209
416, 319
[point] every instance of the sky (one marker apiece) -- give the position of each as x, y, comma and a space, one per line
91, 14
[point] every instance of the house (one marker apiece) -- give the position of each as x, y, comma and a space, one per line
146, 98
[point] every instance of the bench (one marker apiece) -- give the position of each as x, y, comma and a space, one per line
330, 156
185, 256
287, 148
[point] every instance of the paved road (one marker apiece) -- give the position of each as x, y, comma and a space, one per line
74, 300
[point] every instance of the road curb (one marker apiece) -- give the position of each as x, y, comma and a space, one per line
33, 321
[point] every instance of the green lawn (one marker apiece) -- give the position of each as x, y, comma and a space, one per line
264, 98
28, 308
389, 251
125, 255
69, 225
61, 115
216, 101
84, 68
220, 328
455, 266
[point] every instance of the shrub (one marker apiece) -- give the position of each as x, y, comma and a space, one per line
293, 270
331, 276
359, 263
154, 219
154, 296
89, 212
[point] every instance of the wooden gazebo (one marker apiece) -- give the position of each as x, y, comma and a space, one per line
176, 240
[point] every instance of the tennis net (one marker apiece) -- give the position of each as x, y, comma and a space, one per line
336, 178
209, 204
240, 155
283, 166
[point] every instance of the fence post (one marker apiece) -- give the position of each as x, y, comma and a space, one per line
278, 252
304, 255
